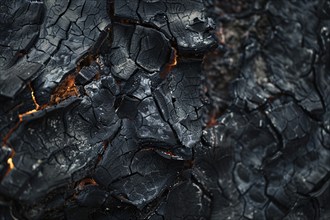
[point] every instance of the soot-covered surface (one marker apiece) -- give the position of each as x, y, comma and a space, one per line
165, 109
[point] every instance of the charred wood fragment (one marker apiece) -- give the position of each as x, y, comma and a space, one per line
164, 109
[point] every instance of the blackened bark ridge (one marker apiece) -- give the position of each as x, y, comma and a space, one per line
107, 112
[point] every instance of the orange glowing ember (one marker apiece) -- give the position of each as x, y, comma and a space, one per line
10, 163
66, 89
85, 182
34, 98
168, 67
37, 106
20, 116
175, 57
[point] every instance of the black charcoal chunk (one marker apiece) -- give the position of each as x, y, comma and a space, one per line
135, 47
86, 74
185, 22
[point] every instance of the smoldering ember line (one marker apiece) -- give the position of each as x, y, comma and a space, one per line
164, 109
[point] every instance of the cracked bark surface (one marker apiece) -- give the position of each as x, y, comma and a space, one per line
154, 110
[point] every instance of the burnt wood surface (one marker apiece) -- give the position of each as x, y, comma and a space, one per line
164, 109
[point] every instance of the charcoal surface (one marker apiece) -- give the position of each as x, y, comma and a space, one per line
165, 109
